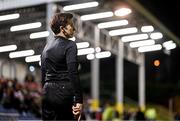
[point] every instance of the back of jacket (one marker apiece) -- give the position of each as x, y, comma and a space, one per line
59, 61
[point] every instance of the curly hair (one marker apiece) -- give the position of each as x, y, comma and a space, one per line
60, 19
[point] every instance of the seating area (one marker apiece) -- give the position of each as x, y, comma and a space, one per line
13, 115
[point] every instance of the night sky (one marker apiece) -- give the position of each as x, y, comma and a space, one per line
168, 13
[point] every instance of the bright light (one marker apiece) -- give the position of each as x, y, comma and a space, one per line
134, 37
98, 49
112, 24
82, 45
96, 16
156, 35
25, 26
122, 12
33, 58
141, 43
90, 56
18, 54
80, 6
9, 17
147, 28
150, 48
73, 39
156, 63
39, 63
8, 48
169, 45
31, 68
39, 34
85, 51
123, 31
104, 54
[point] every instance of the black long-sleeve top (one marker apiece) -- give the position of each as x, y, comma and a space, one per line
60, 56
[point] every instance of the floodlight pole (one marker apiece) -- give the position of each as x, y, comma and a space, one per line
119, 76
141, 83
95, 72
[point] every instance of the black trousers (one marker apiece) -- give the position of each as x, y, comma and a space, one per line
63, 113
57, 102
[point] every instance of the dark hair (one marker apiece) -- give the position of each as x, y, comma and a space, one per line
60, 19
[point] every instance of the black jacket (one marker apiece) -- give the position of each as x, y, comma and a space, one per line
59, 62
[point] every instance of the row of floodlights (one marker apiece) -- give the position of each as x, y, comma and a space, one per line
83, 49
120, 12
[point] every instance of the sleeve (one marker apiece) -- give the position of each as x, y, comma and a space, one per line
72, 66
43, 72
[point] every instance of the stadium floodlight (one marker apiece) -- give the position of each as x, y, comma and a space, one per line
150, 48
98, 49
134, 37
85, 51
104, 54
123, 31
97, 16
39, 34
156, 35
147, 28
25, 26
80, 6
9, 16
122, 11
141, 43
7, 48
82, 45
112, 24
90, 56
23, 53
169, 45
34, 58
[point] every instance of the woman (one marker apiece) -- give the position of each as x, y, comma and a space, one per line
59, 66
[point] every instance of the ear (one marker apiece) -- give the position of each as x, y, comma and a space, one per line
61, 28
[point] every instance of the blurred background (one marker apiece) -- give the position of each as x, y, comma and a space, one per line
128, 52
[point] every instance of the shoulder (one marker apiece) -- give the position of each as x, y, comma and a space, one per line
71, 44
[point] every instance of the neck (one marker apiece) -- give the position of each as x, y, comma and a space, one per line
62, 35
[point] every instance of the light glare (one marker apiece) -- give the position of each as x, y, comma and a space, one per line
112, 24
147, 28
156, 35
123, 31
90, 56
32, 58
8, 48
98, 49
39, 35
80, 6
85, 51
104, 54
18, 54
169, 45
82, 45
9, 17
25, 26
141, 43
122, 12
150, 48
96, 16
134, 37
